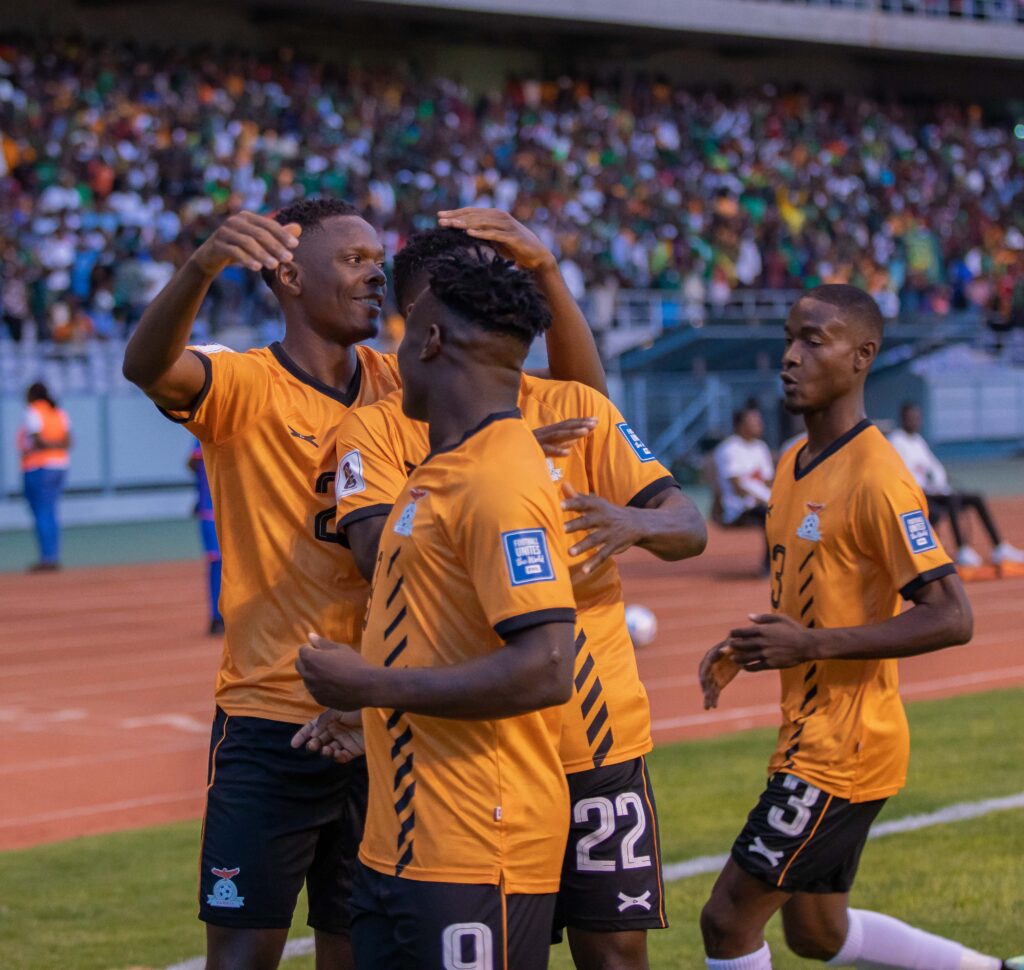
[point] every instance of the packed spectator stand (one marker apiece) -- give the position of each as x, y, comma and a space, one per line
116, 162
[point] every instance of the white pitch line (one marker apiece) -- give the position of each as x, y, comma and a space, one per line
705, 864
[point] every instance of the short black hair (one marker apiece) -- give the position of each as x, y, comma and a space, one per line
310, 214
854, 305
909, 406
420, 248
491, 294
39, 392
740, 413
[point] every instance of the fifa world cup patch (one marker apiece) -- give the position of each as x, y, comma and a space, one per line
349, 478
225, 892
810, 528
526, 554
635, 442
919, 531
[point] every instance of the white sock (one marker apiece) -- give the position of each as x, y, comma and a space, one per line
878, 942
759, 960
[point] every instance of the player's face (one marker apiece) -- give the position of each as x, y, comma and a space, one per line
819, 365
912, 420
414, 354
341, 274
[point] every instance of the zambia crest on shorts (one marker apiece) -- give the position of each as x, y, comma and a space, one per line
225, 892
810, 528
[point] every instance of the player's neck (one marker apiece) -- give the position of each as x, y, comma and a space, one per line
831, 423
329, 362
466, 399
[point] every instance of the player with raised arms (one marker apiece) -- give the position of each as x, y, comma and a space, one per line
611, 891
468, 638
849, 536
276, 817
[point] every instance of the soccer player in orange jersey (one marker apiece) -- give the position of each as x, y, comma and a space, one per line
276, 817
849, 536
611, 890
468, 637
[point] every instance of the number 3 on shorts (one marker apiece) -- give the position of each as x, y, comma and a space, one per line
801, 807
474, 937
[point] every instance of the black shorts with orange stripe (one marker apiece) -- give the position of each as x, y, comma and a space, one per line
277, 818
800, 839
611, 873
410, 924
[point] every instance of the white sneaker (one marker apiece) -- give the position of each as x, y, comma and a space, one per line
969, 558
1004, 552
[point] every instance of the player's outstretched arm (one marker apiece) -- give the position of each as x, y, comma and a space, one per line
668, 526
572, 352
532, 671
155, 358
941, 617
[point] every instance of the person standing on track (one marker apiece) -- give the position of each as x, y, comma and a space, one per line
849, 536
44, 440
275, 817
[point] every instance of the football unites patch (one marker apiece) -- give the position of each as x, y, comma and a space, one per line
635, 442
349, 478
527, 557
918, 531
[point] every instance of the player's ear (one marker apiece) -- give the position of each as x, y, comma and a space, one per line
289, 278
865, 354
432, 345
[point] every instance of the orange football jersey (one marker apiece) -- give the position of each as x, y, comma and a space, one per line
608, 719
848, 534
268, 429
469, 554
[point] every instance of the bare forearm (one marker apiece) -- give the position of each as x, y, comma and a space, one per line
162, 334
673, 530
506, 683
572, 352
925, 628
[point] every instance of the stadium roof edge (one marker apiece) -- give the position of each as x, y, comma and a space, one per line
764, 20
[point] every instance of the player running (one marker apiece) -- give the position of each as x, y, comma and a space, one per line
469, 635
611, 890
275, 817
849, 535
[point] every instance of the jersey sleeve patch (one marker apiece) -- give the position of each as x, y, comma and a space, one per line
527, 557
918, 531
349, 478
635, 442
211, 348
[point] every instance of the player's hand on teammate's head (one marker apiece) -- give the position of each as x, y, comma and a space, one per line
509, 237
775, 641
334, 673
612, 528
250, 240
717, 669
556, 440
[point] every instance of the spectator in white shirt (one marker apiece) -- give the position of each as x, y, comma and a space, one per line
744, 471
942, 497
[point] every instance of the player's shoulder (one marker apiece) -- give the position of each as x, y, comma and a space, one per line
878, 464
377, 363
566, 399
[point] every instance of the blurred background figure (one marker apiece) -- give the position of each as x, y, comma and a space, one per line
208, 534
743, 473
44, 440
943, 499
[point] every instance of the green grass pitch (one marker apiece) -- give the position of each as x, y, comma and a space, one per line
127, 900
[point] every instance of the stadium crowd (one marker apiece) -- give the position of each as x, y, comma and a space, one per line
116, 162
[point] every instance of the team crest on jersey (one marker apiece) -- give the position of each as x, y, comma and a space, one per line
225, 892
919, 531
554, 471
349, 478
810, 528
526, 554
635, 442
404, 524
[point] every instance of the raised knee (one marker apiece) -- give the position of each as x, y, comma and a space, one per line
820, 942
718, 922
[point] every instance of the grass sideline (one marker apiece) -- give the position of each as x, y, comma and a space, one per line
127, 900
